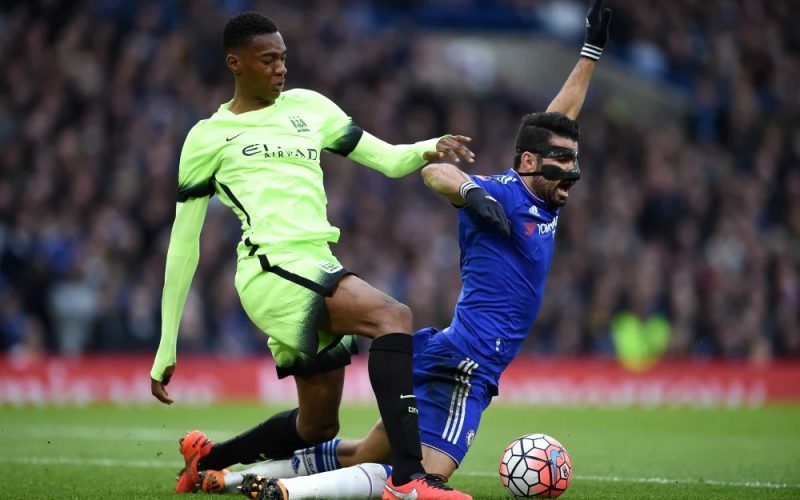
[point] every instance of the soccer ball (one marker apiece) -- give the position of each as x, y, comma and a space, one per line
535, 465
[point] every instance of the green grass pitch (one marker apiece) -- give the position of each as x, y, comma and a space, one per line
131, 452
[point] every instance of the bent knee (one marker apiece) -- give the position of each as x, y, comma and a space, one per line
402, 313
318, 433
390, 316
395, 317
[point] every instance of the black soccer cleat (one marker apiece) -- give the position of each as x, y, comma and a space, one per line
263, 488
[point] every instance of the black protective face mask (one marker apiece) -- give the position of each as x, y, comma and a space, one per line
553, 172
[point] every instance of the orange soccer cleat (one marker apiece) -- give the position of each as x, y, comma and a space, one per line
422, 487
212, 481
193, 446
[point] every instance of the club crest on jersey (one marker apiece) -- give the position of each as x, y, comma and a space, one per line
299, 124
470, 437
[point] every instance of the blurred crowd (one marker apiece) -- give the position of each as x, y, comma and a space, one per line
692, 223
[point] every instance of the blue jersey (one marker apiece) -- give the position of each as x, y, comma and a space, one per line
503, 277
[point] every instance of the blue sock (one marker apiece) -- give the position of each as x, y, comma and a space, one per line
325, 454
316, 459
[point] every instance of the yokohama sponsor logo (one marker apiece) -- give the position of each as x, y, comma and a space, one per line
549, 227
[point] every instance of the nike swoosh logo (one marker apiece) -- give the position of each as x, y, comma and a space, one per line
407, 396
229, 139
189, 465
411, 495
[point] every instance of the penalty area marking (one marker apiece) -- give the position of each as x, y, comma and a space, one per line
158, 464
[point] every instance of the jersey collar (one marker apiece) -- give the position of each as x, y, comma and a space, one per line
224, 109
540, 202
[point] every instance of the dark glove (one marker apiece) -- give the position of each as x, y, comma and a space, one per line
598, 20
480, 202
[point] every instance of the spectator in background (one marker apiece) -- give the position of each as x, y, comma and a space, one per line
716, 197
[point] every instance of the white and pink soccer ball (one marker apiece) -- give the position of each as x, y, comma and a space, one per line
535, 465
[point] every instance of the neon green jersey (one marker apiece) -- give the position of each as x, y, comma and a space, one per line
265, 166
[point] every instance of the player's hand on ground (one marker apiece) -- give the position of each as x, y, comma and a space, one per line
159, 389
479, 201
453, 148
598, 21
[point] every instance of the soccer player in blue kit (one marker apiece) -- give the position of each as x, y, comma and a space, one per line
506, 232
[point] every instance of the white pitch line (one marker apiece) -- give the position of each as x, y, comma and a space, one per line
94, 462
100, 433
665, 480
156, 464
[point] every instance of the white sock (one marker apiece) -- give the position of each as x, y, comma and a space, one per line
358, 481
312, 460
269, 468
232, 482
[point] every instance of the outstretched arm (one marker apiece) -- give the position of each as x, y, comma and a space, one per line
399, 160
446, 180
182, 257
569, 100
343, 137
461, 190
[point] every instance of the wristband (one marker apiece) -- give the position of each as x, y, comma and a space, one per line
591, 51
466, 187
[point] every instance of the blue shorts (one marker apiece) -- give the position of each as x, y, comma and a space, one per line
452, 392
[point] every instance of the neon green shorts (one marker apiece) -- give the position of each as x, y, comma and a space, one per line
287, 302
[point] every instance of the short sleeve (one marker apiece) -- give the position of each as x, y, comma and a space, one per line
197, 165
340, 134
493, 185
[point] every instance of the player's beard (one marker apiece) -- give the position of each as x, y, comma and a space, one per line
549, 194
555, 197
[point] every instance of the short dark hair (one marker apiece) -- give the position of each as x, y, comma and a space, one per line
243, 26
537, 128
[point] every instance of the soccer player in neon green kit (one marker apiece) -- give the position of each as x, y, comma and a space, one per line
457, 370
260, 153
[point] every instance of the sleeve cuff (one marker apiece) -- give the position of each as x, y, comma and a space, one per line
426, 146
157, 371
